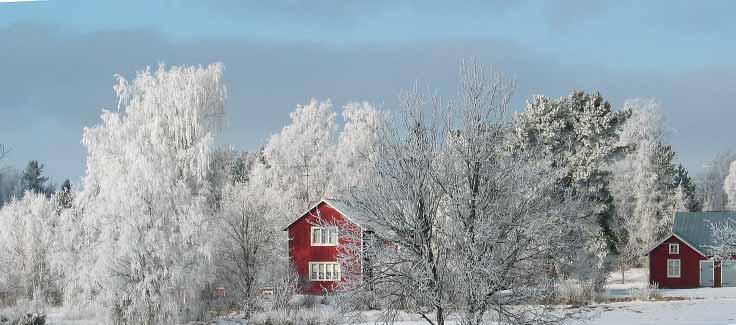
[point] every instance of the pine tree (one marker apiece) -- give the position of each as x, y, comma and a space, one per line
64, 197
33, 180
686, 186
579, 134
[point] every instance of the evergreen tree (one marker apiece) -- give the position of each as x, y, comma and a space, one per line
685, 184
579, 134
64, 195
33, 179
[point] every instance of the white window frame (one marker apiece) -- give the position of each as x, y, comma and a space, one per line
322, 270
676, 249
331, 237
673, 262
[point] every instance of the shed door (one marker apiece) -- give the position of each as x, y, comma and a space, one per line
728, 273
706, 273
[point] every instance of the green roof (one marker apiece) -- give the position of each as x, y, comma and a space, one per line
694, 227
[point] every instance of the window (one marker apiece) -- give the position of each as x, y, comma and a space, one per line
674, 248
324, 271
322, 236
673, 268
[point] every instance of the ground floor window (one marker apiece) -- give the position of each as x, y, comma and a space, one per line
673, 268
324, 271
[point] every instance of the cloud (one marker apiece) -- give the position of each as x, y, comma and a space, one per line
54, 84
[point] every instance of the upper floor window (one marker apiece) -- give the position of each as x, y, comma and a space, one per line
324, 236
674, 248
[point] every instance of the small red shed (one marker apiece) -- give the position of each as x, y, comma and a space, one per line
684, 258
318, 243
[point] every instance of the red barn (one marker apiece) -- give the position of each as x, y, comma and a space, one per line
317, 239
684, 258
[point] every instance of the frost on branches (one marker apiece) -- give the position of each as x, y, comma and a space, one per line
310, 159
729, 186
145, 202
578, 134
27, 237
458, 223
647, 187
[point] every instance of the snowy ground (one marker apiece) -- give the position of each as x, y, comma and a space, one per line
701, 306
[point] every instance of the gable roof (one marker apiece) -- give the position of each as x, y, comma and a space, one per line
651, 248
695, 227
348, 211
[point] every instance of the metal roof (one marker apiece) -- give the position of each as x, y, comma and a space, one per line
695, 227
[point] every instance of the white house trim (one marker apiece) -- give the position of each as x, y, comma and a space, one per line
333, 267
330, 232
676, 250
651, 248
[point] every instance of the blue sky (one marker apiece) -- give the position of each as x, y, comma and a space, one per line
57, 59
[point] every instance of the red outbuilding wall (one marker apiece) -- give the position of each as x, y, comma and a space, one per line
301, 251
689, 266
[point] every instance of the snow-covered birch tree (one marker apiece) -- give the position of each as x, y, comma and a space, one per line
712, 181
296, 161
145, 207
729, 186
362, 126
643, 184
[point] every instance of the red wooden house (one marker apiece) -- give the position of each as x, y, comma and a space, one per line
317, 237
684, 258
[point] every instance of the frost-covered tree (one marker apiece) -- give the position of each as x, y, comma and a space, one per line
363, 124
687, 199
457, 222
645, 182
310, 158
64, 196
144, 237
403, 204
27, 233
10, 185
580, 135
729, 186
724, 239
296, 160
248, 241
507, 220
712, 180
